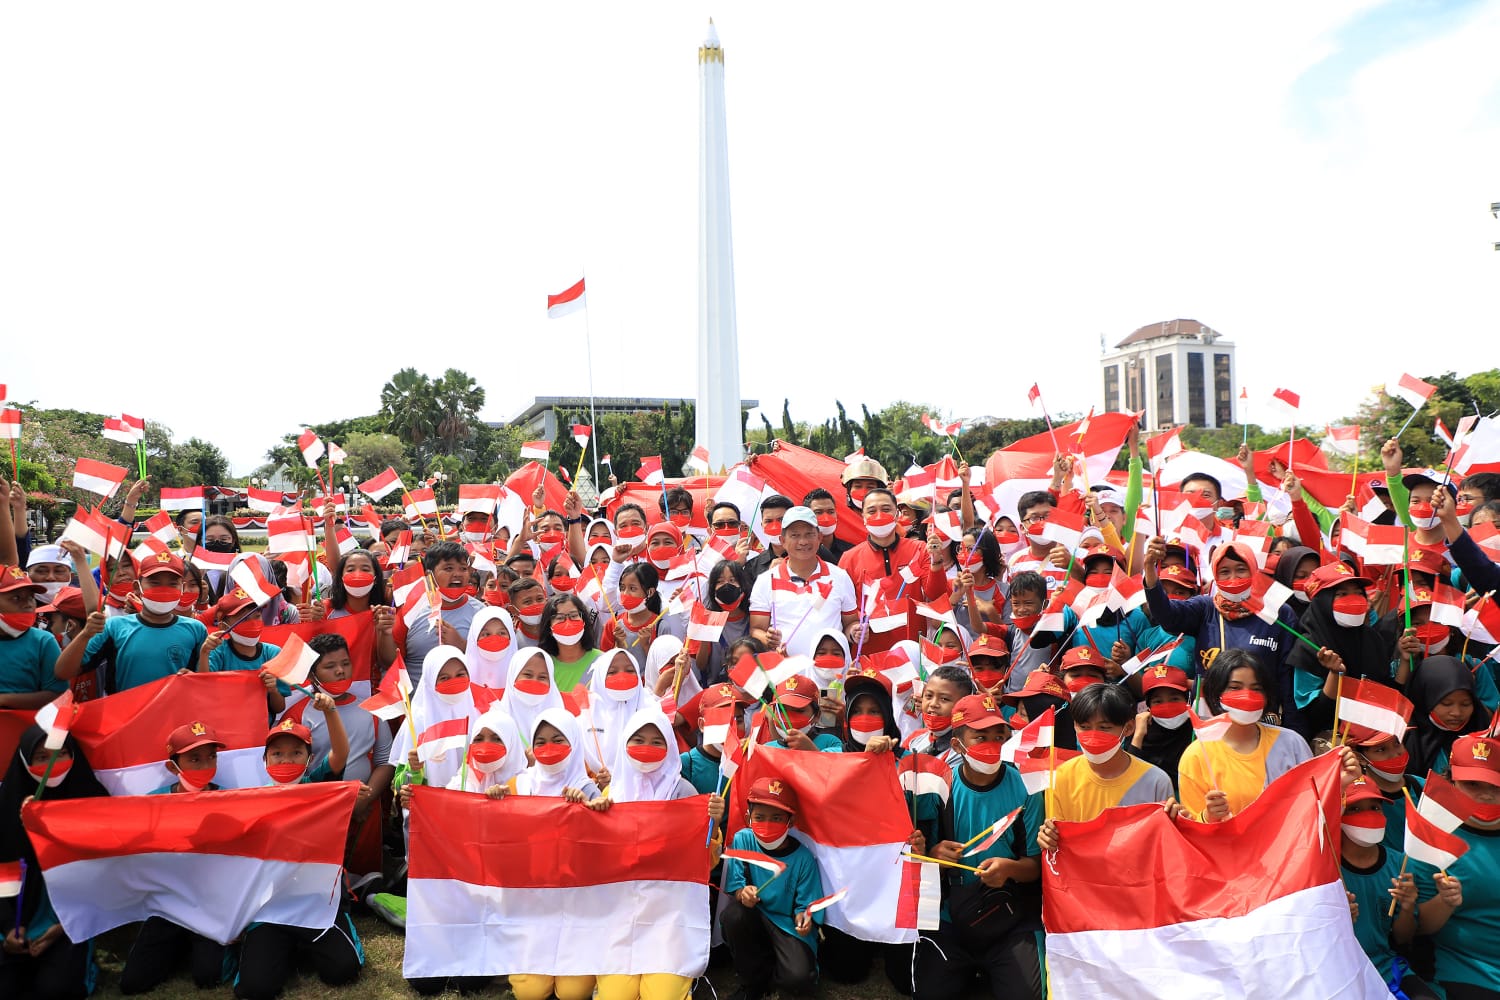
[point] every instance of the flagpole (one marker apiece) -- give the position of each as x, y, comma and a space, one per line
588, 344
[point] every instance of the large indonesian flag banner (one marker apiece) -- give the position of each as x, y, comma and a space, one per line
358, 631
212, 861
854, 820
543, 885
124, 736
1252, 907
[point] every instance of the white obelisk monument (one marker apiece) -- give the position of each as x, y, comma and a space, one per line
718, 411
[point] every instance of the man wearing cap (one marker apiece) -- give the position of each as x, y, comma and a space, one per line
881, 559
802, 595
28, 654
772, 511
860, 477
140, 648
50, 566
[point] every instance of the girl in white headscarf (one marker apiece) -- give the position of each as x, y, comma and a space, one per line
443, 693
664, 656
558, 768
492, 644
496, 754
616, 692
530, 689
829, 663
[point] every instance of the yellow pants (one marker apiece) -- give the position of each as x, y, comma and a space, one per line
655, 986
531, 987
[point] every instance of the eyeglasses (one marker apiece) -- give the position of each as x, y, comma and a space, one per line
726, 524
1033, 518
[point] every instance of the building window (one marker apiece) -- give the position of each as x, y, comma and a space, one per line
1165, 410
1112, 388
1197, 410
1223, 392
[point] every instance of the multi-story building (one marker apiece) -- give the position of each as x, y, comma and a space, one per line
1178, 371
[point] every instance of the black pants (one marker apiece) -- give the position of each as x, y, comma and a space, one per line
431, 986
270, 952
765, 955
1011, 966
157, 954
846, 959
59, 973
1468, 991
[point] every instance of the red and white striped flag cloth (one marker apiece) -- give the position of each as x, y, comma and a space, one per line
264, 501
1447, 606
604, 460
1133, 893
742, 488
1163, 446
855, 821
705, 625
10, 424
1267, 598
345, 540
441, 737
1374, 706
1286, 402
995, 831
421, 503
478, 498
1376, 544
1212, 728
939, 610
1443, 804
116, 429
287, 533
924, 774
938, 427
206, 560
370, 518
252, 581
1342, 440
819, 905
1038, 767
103, 536
1446, 436
538, 450
755, 673
1487, 537
569, 300
150, 547
11, 878
113, 861
340, 504
1429, 843
735, 753
1064, 527
639, 866
311, 447
137, 425
160, 527
761, 861
698, 460
895, 664
886, 616
1412, 389
377, 487
949, 524
183, 498
1037, 733
400, 552
1480, 450
1482, 622
56, 717
1033, 457
1053, 619
920, 905
1148, 657
1126, 593
294, 662
581, 434
650, 471
336, 455
716, 723
97, 477
389, 701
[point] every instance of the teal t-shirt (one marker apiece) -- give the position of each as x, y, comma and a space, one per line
1372, 891
26, 663
780, 900
701, 771
825, 742
975, 809
133, 652
1395, 815
228, 657
1468, 946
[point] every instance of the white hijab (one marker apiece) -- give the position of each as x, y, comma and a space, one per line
627, 782
516, 704
609, 710
482, 670
663, 650
513, 763
570, 773
428, 708
823, 678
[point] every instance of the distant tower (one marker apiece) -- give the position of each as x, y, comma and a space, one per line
718, 414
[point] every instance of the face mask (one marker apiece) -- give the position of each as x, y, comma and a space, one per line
857, 497
1434, 637
486, 758
864, 728
904, 522
285, 774
1244, 706
195, 779
989, 679
1225, 514
474, 537
770, 835
1025, 622
983, 757
550, 538
1422, 515
530, 691
187, 602
772, 531
15, 624
122, 591
661, 555
827, 524
1098, 746
1432, 717
880, 525
496, 598
491, 646
1078, 682
1007, 539
531, 614
936, 723
219, 545
564, 584
568, 633
1234, 591
632, 601
1481, 812
1097, 580
1299, 590
452, 690
247, 633
160, 600
1170, 714
800, 719
829, 663
454, 595
1393, 767
729, 596
680, 519
1364, 828
621, 685
726, 532
1351, 611
50, 592
358, 584
60, 771
646, 759
550, 757
337, 688
1202, 513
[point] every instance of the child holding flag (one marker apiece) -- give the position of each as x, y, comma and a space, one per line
443, 713
945, 688
28, 654
244, 651
793, 714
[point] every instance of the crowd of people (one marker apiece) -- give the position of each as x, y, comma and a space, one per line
595, 608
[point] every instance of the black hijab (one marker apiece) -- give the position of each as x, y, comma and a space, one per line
1436, 678
853, 688
1365, 650
79, 783
1286, 566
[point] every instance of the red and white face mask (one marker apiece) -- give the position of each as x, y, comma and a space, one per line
1364, 828
1170, 714
864, 728
1244, 706
880, 524
1098, 746
1351, 610
568, 632
646, 759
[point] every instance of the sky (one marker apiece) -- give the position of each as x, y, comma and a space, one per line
236, 219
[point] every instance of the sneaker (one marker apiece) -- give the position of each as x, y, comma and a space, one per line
363, 885
391, 909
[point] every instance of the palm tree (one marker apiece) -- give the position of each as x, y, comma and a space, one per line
409, 410
457, 398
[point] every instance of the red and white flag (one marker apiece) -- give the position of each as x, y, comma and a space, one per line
698, 460
1149, 657
294, 662
650, 471
886, 616
1132, 893
336, 455
252, 581
1037, 733
264, 501
1482, 622
1286, 402
1374, 706
1215, 727
288, 533
339, 501
570, 300
1342, 440
478, 498
762, 861
160, 527
639, 866
705, 625
924, 774
1376, 544
1429, 843
206, 560
1064, 527
1412, 389
755, 673
1443, 804
56, 717
995, 831
581, 434
311, 447
184, 498
938, 427
389, 701
101, 535
10, 879
116, 429
282, 849
97, 477
421, 503
1038, 768
1447, 606
378, 486
538, 450
10, 424
1163, 446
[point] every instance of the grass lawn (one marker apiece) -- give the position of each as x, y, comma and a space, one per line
381, 979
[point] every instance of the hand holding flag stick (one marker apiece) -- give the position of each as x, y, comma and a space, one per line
939, 861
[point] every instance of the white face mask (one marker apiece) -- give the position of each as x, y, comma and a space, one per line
881, 530
525, 697
862, 738
245, 641
454, 699
1243, 716
1301, 595
827, 532
475, 536
1202, 513
1175, 722
567, 640
661, 563
358, 591
159, 607
1363, 835
49, 593
1348, 620
621, 694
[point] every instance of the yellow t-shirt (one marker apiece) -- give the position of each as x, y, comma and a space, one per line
1080, 794
1241, 776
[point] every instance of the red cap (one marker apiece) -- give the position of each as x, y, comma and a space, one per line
160, 562
864, 677
234, 600
1362, 790
977, 711
1426, 560
191, 736
1356, 735
1041, 682
796, 692
1180, 575
988, 645
1332, 575
717, 696
1420, 596
290, 727
15, 578
1475, 758
1082, 656
69, 601
1161, 675
773, 792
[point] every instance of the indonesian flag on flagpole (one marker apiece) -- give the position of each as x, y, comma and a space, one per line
886, 616
1132, 894
1374, 706
441, 737
336, 455
1147, 657
1038, 767
287, 533
339, 501
538, 450
924, 774
1412, 389
564, 302
757, 672
581, 434
160, 527
252, 581
149, 547
421, 503
389, 701
761, 861
10, 874
56, 717
1447, 605
115, 429
1064, 527
698, 460
185, 498
1429, 843
1212, 728
137, 426
855, 821
1376, 544
378, 486
1033, 457
650, 471
1161, 447
478, 498
293, 663
1482, 622
1037, 733
113, 861
10, 424
311, 447
97, 477
604, 460
705, 625
1343, 440
617, 893
995, 831
263, 501
1443, 804
1286, 402
96, 533
1126, 593
206, 560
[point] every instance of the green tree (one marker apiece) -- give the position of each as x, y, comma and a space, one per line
409, 411
370, 454
457, 399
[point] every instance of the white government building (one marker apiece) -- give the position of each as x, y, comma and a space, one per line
1178, 371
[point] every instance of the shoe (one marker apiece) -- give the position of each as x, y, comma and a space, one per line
391, 909
363, 885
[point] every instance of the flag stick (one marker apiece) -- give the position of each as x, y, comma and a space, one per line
42, 786
1310, 644
1408, 422
1406, 586
20, 895
954, 441
1477, 605
1392, 911
588, 345
15, 467
979, 836
1354, 476
1338, 699
939, 861
1051, 779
